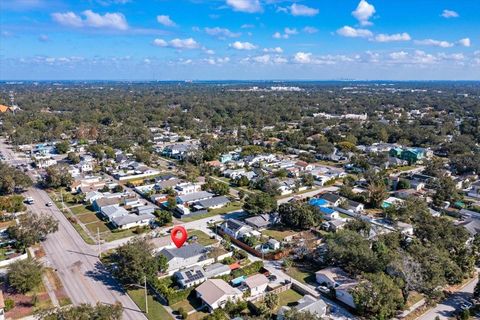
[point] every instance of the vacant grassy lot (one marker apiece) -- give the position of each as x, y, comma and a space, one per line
87, 218
155, 309
278, 234
203, 238
289, 298
234, 206
80, 210
303, 274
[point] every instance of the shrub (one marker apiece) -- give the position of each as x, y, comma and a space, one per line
9, 304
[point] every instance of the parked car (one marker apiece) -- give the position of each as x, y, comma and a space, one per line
49, 204
323, 289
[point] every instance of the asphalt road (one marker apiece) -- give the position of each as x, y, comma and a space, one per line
84, 278
446, 309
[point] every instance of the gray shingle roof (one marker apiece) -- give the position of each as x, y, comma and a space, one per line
184, 252
212, 202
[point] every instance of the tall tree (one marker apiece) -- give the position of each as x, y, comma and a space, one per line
32, 228
378, 297
25, 275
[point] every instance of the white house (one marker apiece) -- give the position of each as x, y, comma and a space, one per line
215, 293
339, 280
235, 228
306, 304
190, 277
187, 188
184, 257
257, 284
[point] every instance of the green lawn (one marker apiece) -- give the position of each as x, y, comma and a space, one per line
288, 298
80, 210
119, 235
83, 234
87, 218
277, 234
97, 226
203, 238
197, 315
302, 274
234, 206
155, 309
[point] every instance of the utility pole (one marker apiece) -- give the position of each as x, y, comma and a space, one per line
98, 242
146, 296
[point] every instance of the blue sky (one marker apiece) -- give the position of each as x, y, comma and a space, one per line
240, 39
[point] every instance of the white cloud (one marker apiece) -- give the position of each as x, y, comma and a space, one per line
447, 14
278, 35
400, 55
302, 10
68, 19
166, 21
302, 57
209, 51
249, 6
290, 31
180, 44
247, 26
108, 20
434, 43
243, 45
287, 33
392, 37
274, 50
43, 38
310, 30
262, 59
216, 61
364, 12
465, 42
221, 32
92, 19
350, 32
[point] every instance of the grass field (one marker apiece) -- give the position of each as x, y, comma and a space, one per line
155, 309
288, 298
80, 210
234, 206
302, 274
87, 218
277, 234
203, 238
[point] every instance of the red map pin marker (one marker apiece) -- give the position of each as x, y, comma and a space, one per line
179, 240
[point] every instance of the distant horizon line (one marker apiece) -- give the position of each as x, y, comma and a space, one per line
237, 80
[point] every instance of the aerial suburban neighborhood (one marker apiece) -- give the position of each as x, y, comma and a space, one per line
231, 160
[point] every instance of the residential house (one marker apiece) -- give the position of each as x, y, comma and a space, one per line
216, 270
260, 221
354, 206
304, 166
329, 213
215, 293
339, 280
306, 304
333, 199
257, 284
132, 220
405, 228
187, 188
186, 256
194, 197
273, 244
178, 151
213, 203
472, 225
235, 228
474, 191
42, 163
113, 211
190, 277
